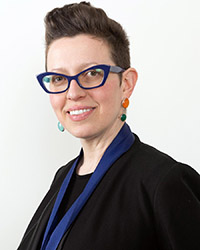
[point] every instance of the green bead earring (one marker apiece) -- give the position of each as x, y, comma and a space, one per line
125, 104
123, 117
60, 127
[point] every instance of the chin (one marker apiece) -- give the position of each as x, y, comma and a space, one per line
81, 132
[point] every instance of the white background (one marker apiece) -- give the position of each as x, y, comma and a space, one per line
164, 110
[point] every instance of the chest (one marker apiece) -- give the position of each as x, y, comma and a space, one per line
117, 214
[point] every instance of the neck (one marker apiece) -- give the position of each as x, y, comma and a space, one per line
93, 150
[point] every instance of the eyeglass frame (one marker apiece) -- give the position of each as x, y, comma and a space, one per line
106, 68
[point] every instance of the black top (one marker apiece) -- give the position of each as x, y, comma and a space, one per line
75, 188
146, 200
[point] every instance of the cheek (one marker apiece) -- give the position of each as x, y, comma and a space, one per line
112, 92
109, 95
57, 101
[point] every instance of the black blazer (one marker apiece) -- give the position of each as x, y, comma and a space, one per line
146, 200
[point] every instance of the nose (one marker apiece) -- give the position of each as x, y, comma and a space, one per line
75, 92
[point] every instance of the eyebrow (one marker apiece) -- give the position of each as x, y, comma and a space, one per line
78, 69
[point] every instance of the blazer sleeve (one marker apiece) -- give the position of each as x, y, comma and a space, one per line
42, 213
177, 209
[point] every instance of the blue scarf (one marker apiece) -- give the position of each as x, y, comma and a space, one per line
54, 233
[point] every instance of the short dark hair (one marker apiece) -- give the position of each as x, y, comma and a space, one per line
83, 18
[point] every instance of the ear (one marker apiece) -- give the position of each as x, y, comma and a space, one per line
129, 79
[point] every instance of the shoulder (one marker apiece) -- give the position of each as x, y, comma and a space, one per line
49, 199
152, 169
61, 173
180, 183
147, 161
149, 154
152, 159
176, 205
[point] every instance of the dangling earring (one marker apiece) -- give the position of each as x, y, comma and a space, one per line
60, 127
125, 104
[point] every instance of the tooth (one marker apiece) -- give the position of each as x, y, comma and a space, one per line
78, 112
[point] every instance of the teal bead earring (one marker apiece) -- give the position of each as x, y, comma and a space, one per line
60, 127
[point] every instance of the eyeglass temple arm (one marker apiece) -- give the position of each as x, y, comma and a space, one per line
116, 69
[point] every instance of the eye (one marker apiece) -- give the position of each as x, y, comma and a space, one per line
57, 79
91, 77
94, 72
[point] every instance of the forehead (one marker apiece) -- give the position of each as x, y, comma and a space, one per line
70, 52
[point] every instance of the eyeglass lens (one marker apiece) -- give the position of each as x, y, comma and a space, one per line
88, 79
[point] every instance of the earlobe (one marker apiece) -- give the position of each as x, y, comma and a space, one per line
129, 80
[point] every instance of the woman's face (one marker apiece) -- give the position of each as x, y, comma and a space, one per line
84, 113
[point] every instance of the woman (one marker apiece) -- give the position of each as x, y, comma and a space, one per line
119, 193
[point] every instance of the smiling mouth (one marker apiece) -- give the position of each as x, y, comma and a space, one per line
79, 111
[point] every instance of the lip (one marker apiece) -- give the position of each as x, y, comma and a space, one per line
87, 111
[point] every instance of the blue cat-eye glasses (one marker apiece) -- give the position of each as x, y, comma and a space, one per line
93, 77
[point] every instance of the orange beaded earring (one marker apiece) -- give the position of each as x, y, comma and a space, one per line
125, 104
